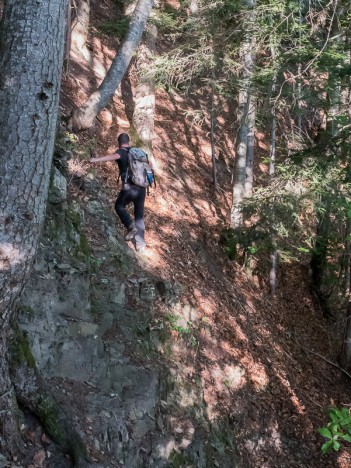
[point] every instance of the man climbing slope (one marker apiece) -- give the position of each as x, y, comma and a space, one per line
130, 193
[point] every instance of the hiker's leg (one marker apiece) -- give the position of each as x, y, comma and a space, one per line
139, 202
120, 206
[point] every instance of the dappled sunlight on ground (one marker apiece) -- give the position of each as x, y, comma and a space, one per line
244, 348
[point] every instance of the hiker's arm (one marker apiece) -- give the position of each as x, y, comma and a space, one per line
108, 157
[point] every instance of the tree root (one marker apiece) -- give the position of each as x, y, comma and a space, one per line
334, 364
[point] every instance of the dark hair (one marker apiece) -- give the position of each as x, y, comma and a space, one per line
123, 139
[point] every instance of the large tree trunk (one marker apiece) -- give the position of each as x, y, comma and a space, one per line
30, 75
144, 110
83, 117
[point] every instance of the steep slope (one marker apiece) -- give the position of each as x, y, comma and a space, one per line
204, 369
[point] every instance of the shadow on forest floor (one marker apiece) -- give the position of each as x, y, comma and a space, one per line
242, 353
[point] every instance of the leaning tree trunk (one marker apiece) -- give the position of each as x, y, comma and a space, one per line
30, 74
83, 117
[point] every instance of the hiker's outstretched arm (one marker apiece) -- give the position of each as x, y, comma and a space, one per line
108, 157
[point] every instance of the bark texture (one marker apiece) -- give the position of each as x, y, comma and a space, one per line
83, 117
345, 355
80, 26
250, 152
240, 162
144, 111
30, 74
246, 116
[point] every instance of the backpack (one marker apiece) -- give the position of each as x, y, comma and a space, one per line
139, 171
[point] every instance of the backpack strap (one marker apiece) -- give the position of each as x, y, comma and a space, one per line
119, 175
126, 177
153, 174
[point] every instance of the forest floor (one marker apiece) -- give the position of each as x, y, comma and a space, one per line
265, 363
261, 362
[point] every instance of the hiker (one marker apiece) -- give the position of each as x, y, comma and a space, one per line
130, 193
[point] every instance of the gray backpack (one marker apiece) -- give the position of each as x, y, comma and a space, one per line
139, 171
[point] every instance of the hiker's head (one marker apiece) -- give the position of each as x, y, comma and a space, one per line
123, 139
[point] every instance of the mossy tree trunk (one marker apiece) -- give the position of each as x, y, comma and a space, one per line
83, 117
33, 33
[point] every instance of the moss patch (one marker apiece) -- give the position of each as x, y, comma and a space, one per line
20, 349
54, 421
181, 460
63, 227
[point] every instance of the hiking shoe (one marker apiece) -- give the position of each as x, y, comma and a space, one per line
132, 230
140, 248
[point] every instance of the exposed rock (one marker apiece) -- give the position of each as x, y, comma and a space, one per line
3, 461
58, 187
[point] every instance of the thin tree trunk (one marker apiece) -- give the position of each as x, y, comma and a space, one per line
68, 36
250, 153
213, 129
247, 56
236, 219
273, 269
83, 117
273, 256
345, 355
30, 74
299, 78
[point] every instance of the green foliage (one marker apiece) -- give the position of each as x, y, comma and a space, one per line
239, 242
95, 262
96, 310
337, 430
181, 459
55, 423
69, 143
120, 261
120, 3
117, 29
20, 350
166, 20
172, 320
187, 333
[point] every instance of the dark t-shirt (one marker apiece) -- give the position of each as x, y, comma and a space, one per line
122, 162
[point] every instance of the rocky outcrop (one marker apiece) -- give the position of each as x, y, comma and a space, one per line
89, 314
